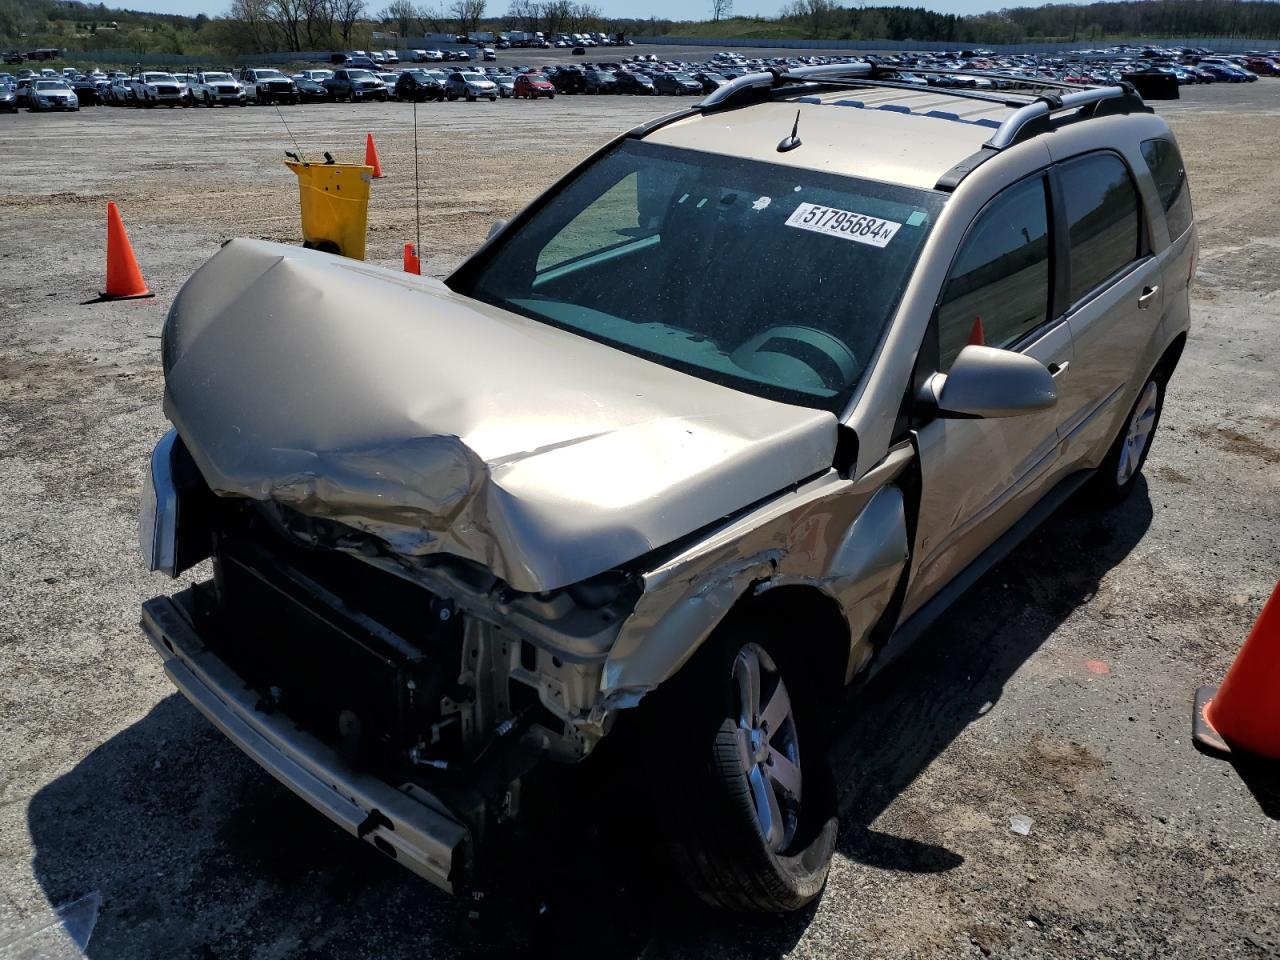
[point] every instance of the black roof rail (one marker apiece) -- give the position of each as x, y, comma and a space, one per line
1035, 117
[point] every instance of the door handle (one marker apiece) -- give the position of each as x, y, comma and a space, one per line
1148, 294
1058, 368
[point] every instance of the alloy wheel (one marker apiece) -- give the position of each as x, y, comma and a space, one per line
1138, 433
768, 747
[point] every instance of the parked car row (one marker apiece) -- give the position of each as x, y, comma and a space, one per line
361, 77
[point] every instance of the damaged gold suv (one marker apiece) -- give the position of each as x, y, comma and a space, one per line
708, 432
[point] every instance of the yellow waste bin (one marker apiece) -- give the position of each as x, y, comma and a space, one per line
335, 206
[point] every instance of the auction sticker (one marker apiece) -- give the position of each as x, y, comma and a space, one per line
845, 224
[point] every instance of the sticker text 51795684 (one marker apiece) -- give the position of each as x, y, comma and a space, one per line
845, 224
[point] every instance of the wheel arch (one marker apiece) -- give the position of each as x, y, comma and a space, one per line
827, 570
815, 623
1168, 361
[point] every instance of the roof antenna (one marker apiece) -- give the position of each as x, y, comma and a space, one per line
793, 141
299, 157
417, 189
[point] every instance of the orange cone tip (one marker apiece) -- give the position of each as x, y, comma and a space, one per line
124, 279
977, 338
371, 157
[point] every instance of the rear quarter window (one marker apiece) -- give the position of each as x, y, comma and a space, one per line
1103, 219
1165, 163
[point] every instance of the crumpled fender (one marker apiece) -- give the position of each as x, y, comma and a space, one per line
846, 539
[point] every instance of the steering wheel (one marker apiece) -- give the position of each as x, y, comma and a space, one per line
828, 358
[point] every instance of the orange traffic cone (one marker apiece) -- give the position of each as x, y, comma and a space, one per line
371, 157
977, 338
411, 262
1244, 712
124, 279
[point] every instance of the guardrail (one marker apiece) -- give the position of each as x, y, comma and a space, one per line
1217, 44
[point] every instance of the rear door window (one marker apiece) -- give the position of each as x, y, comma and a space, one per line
1165, 162
1103, 223
999, 283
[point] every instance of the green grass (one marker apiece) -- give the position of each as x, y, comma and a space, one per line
742, 28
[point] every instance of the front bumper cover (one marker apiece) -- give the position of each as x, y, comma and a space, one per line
415, 830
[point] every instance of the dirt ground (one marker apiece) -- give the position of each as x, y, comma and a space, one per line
1058, 690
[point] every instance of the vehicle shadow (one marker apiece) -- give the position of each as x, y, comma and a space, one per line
951, 678
198, 853
963, 663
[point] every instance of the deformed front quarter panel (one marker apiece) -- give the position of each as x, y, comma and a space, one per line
846, 539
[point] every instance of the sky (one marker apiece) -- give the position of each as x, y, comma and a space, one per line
674, 9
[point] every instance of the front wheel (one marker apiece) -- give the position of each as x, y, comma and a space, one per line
743, 793
1118, 472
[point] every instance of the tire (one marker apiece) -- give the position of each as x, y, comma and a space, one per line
714, 785
493, 99
1118, 473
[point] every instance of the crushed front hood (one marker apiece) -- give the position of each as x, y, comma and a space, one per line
439, 424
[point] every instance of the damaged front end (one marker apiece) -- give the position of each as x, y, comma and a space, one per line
424, 518
408, 699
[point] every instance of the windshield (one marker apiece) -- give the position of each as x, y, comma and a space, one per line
158, 78
217, 78
473, 77
51, 85
359, 75
269, 74
774, 280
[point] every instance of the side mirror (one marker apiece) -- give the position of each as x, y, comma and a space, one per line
497, 227
985, 382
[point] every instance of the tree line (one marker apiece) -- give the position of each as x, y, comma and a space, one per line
256, 26
1055, 21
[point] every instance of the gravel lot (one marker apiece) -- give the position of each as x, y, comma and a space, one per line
1059, 690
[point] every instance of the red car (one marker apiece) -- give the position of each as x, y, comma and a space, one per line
533, 85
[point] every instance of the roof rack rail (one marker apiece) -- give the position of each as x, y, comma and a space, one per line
1034, 117
1031, 116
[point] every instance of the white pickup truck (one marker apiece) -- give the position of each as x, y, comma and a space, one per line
265, 85
211, 87
151, 87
